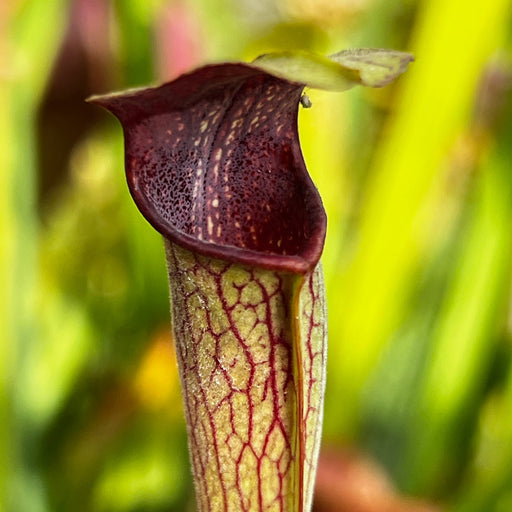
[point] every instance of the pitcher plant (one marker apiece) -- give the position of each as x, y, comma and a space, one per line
213, 162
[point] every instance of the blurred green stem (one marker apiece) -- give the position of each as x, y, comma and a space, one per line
31, 47
452, 42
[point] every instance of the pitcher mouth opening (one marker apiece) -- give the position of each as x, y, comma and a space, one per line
213, 162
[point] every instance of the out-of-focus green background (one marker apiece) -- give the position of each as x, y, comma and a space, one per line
417, 182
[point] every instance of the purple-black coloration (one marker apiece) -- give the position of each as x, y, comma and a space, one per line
214, 163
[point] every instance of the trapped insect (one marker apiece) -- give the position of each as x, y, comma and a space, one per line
305, 101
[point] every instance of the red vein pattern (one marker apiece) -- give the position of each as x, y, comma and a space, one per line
241, 385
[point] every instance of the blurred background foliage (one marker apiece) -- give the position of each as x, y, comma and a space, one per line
417, 182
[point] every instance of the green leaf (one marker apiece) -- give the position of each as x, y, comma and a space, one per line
377, 67
365, 66
309, 69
